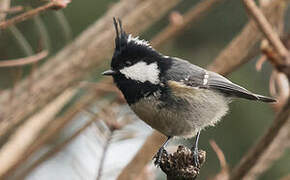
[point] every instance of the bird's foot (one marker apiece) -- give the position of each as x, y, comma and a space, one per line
195, 157
158, 156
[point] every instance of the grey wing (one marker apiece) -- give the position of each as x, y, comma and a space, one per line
220, 83
183, 71
198, 77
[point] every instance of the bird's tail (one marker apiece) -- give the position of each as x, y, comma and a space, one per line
265, 99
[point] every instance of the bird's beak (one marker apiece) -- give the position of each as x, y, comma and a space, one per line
109, 73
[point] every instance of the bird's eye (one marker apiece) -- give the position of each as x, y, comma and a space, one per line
128, 63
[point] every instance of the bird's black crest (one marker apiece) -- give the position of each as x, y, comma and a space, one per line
129, 49
121, 36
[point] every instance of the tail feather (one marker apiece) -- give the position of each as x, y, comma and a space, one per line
265, 99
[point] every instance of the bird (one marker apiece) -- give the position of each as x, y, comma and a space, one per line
173, 96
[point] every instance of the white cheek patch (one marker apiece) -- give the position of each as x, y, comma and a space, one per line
142, 72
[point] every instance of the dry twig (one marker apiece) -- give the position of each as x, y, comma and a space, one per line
56, 125
105, 150
53, 4
24, 61
251, 158
176, 27
4, 5
57, 149
110, 120
242, 47
233, 56
266, 28
79, 61
286, 177
275, 151
224, 173
14, 9
145, 154
14, 150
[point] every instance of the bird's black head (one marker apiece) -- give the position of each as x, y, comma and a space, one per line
136, 67
130, 50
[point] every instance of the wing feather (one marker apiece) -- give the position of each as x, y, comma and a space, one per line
197, 77
222, 84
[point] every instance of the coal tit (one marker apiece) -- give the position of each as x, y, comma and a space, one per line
171, 95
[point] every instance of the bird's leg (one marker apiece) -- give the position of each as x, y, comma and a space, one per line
160, 152
195, 149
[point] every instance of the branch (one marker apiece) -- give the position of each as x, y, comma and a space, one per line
4, 5
266, 28
275, 150
21, 41
287, 177
55, 125
65, 26
143, 156
56, 149
105, 114
242, 48
232, 57
24, 61
224, 173
263, 144
53, 4
82, 56
192, 15
21, 140
112, 123
14, 9
272, 139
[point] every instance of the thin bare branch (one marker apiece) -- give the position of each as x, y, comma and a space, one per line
4, 5
250, 159
266, 28
272, 142
279, 88
274, 152
24, 61
229, 59
54, 4
57, 149
287, 177
42, 32
242, 47
14, 9
219, 154
105, 150
14, 150
16, 74
224, 173
192, 15
260, 62
21, 40
65, 27
57, 124
80, 60
145, 154
233, 56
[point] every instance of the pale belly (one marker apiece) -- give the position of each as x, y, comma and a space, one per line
182, 117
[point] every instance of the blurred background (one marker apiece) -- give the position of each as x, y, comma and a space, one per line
111, 133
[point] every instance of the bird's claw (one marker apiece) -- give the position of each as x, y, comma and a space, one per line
196, 158
158, 157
